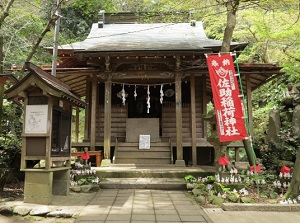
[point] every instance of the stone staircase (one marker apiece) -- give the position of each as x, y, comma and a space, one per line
137, 176
160, 153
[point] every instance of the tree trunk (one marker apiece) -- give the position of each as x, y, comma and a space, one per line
3, 16
293, 190
232, 7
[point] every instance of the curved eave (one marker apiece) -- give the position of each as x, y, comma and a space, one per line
34, 80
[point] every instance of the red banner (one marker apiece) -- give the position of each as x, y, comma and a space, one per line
226, 96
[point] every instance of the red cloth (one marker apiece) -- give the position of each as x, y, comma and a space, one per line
258, 170
85, 156
227, 102
223, 160
285, 169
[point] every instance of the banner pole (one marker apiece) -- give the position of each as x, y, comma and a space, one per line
245, 112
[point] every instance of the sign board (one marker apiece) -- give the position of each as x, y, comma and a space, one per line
144, 142
36, 119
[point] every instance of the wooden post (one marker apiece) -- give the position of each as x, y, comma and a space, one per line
193, 119
77, 125
23, 150
179, 161
87, 111
93, 112
204, 106
48, 160
107, 119
237, 154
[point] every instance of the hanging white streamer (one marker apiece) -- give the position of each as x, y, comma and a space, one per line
148, 100
135, 94
123, 95
161, 93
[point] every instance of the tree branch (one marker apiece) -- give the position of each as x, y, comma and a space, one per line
47, 28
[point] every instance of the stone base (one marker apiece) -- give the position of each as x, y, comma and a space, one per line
106, 163
40, 184
180, 163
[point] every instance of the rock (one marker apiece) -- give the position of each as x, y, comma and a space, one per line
233, 198
197, 192
201, 200
89, 188
75, 188
7, 199
40, 211
190, 186
247, 200
296, 120
5, 209
22, 210
218, 201
60, 214
274, 126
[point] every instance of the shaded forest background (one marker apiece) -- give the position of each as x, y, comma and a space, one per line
270, 27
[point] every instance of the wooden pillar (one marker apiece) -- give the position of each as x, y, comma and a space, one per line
178, 98
87, 111
77, 125
49, 134
24, 139
193, 119
204, 106
107, 119
93, 112
249, 103
237, 154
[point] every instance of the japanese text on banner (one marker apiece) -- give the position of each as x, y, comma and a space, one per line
226, 95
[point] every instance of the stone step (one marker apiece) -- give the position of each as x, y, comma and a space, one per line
151, 171
143, 183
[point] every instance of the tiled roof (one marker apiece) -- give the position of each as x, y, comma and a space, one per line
154, 36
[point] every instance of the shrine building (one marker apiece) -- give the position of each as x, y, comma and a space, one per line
146, 87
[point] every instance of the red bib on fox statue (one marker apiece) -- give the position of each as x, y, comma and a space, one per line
85, 156
285, 169
258, 169
223, 161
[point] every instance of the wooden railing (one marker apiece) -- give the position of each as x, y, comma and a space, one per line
97, 154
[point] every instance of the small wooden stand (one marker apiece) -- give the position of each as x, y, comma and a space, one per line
46, 134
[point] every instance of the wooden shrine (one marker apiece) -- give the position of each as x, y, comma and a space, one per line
127, 69
46, 135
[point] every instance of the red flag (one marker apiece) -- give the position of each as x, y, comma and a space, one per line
226, 95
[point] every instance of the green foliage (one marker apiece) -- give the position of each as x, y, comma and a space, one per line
10, 142
86, 180
189, 178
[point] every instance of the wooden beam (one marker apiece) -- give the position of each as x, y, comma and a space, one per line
193, 119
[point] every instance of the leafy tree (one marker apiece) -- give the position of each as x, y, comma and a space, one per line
10, 144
